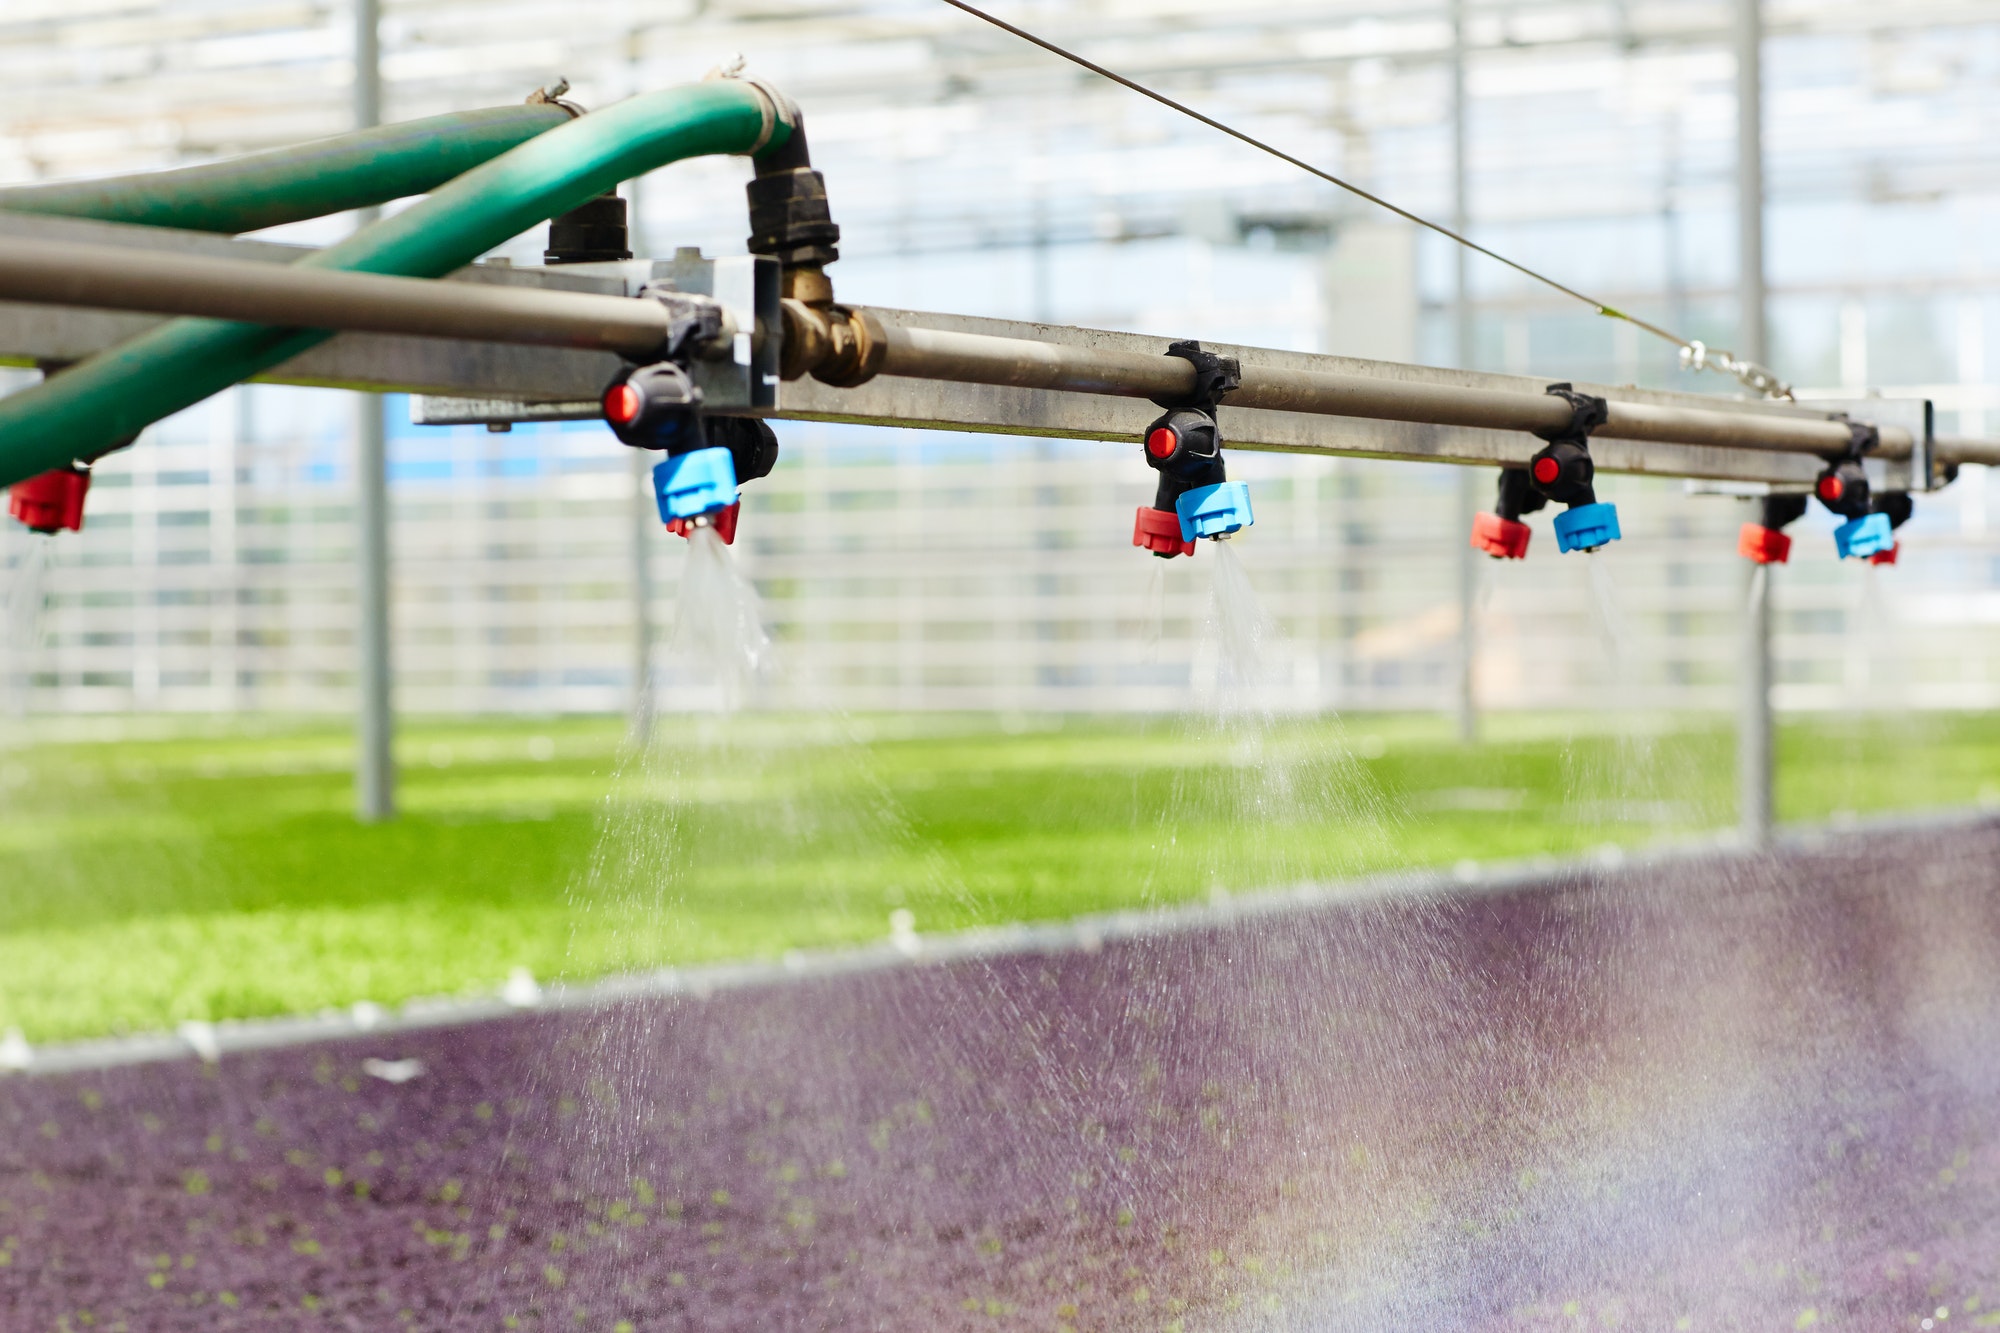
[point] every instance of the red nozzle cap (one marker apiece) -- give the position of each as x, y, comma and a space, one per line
1162, 443
622, 404
1501, 538
722, 520
50, 502
1766, 546
1831, 488
1887, 557
1546, 471
1159, 530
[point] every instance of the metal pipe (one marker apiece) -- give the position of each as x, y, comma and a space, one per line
366, 168
982, 359
112, 277
1958, 449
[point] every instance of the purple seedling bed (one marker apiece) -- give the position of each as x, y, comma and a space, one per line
1726, 1095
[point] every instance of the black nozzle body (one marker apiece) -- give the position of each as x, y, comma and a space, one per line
1517, 495
752, 445
1185, 448
1781, 509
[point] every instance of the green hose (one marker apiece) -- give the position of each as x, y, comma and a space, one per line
98, 403
312, 180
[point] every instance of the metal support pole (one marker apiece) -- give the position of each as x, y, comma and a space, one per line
1755, 770
367, 64
1751, 335
375, 764
1468, 479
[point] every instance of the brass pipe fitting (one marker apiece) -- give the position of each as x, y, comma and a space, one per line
831, 343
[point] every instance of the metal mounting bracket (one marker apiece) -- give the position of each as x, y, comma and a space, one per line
745, 383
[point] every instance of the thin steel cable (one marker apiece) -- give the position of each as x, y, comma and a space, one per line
1693, 353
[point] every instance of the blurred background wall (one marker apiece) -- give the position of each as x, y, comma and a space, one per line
974, 174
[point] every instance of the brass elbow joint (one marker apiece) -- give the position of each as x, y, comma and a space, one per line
833, 344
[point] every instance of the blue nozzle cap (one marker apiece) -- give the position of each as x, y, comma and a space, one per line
1862, 537
1214, 511
692, 484
1587, 527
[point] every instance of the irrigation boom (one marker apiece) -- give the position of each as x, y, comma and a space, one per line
48, 265
688, 339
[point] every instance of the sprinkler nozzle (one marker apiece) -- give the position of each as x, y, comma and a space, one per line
1185, 448
51, 502
1501, 538
1562, 471
1872, 520
723, 521
1502, 534
1587, 527
1762, 545
693, 485
1864, 537
1765, 542
1896, 506
1216, 512
1195, 497
1159, 531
